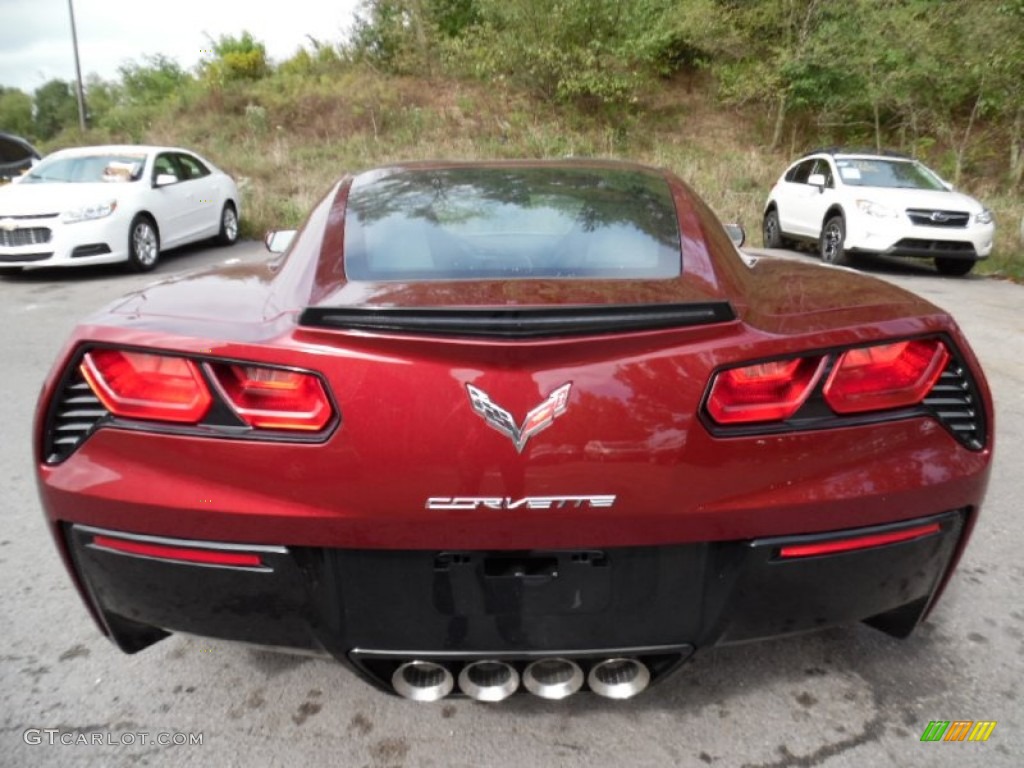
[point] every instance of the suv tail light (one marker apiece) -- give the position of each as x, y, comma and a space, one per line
763, 392
139, 385
274, 398
885, 376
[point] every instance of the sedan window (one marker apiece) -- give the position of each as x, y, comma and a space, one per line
191, 167
87, 169
165, 166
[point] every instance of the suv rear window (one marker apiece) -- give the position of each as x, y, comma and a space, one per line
511, 223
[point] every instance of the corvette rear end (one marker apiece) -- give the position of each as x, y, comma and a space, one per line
501, 427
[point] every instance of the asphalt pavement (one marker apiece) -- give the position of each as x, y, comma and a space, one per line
844, 697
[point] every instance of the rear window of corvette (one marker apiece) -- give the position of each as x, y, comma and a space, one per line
510, 222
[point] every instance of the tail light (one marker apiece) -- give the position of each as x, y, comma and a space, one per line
161, 551
273, 398
873, 378
179, 390
885, 376
763, 392
868, 541
139, 385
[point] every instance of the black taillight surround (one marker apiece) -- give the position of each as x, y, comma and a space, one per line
72, 396
954, 401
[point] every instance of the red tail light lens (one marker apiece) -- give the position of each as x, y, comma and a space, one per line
885, 376
271, 398
186, 554
859, 542
763, 392
138, 385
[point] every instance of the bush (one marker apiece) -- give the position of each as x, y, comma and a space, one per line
234, 59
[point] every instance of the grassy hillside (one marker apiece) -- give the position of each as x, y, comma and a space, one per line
290, 136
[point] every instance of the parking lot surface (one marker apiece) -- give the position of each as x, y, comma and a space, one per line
844, 697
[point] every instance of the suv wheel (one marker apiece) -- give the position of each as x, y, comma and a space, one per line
830, 245
771, 231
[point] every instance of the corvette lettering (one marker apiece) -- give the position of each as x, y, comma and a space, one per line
526, 502
537, 420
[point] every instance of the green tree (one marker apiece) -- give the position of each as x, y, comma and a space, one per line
774, 66
570, 50
236, 58
56, 108
1007, 69
152, 80
318, 58
102, 97
15, 111
394, 35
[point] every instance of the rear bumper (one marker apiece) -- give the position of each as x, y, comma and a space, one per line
374, 609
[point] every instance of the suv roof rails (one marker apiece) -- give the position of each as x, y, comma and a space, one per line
857, 151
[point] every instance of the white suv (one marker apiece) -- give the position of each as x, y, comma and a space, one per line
854, 202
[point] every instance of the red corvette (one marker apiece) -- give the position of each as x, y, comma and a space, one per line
503, 426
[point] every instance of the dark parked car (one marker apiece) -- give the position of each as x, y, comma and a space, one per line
16, 156
512, 426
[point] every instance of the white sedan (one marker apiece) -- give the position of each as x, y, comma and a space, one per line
98, 205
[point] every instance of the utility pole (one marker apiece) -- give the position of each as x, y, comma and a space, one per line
78, 70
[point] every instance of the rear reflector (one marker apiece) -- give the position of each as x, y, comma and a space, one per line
858, 542
138, 385
763, 392
885, 375
186, 554
274, 398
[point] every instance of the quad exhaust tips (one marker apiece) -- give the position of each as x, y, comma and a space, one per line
492, 680
488, 680
618, 678
423, 681
553, 678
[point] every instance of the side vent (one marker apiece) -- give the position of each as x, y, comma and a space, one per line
74, 415
955, 403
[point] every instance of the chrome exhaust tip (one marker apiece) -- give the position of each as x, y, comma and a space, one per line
553, 678
618, 678
488, 680
422, 681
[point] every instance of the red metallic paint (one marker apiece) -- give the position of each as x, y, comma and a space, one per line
408, 431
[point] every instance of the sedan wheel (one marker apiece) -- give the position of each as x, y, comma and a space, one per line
228, 225
143, 244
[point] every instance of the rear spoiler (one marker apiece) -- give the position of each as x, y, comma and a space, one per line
519, 322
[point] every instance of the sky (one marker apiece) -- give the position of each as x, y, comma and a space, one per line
35, 35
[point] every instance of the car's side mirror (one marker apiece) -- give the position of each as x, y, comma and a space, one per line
164, 179
737, 234
278, 240
817, 180
947, 185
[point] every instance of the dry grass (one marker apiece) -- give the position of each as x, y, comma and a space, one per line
289, 139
